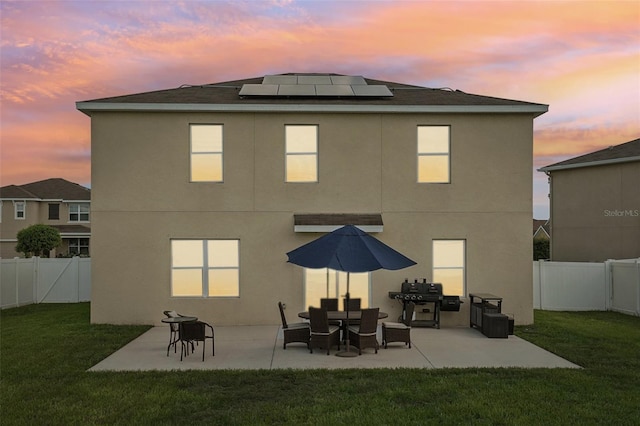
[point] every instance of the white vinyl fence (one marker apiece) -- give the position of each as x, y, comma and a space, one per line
579, 286
42, 280
557, 286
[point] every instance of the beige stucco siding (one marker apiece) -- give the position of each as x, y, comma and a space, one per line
142, 198
596, 213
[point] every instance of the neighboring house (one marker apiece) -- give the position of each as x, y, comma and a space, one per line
200, 191
595, 205
56, 202
541, 230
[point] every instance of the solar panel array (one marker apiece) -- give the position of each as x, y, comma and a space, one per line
293, 85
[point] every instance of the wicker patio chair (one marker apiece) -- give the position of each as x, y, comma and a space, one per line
363, 336
399, 331
323, 335
330, 305
195, 331
354, 304
296, 332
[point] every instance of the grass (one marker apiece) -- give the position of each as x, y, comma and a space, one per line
46, 349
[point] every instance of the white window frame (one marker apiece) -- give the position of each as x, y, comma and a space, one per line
446, 154
289, 155
462, 267
76, 209
193, 154
19, 207
335, 284
204, 268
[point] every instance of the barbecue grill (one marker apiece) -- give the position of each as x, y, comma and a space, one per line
422, 294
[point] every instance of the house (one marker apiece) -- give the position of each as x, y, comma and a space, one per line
56, 202
200, 191
595, 205
541, 228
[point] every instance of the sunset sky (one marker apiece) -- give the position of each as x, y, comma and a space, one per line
582, 58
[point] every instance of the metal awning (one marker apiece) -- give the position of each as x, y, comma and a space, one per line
329, 222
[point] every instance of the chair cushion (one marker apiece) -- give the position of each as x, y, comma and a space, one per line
395, 325
297, 325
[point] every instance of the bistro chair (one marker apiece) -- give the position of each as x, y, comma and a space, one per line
330, 305
195, 331
363, 335
323, 335
399, 331
173, 330
296, 332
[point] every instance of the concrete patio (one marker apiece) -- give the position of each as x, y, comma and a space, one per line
260, 347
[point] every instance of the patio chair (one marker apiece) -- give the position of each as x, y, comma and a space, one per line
323, 335
399, 331
363, 335
195, 331
331, 305
173, 330
296, 332
354, 304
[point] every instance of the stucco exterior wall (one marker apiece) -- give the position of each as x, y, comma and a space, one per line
596, 213
142, 198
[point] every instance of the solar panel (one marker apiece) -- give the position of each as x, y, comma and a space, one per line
348, 79
259, 90
280, 79
315, 86
370, 90
297, 90
334, 90
314, 79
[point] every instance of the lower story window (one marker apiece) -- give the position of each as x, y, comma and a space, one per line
449, 266
328, 283
205, 268
79, 246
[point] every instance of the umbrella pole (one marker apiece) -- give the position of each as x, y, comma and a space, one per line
347, 353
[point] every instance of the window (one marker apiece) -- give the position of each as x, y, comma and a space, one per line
301, 151
449, 266
79, 212
320, 283
433, 154
54, 211
206, 153
205, 268
20, 209
79, 246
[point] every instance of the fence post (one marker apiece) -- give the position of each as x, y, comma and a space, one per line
608, 284
638, 287
541, 282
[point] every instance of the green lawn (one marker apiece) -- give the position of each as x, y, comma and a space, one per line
46, 350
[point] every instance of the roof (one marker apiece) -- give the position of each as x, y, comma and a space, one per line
623, 153
225, 96
48, 189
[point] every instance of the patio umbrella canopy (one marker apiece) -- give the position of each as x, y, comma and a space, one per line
348, 249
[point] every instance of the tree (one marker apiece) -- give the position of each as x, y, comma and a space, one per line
540, 249
36, 239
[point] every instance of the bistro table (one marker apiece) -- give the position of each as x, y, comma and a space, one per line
173, 337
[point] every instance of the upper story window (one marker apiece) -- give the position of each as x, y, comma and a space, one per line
54, 211
301, 151
449, 266
205, 268
206, 153
20, 210
434, 154
79, 212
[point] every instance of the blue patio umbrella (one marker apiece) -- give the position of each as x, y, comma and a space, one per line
348, 249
